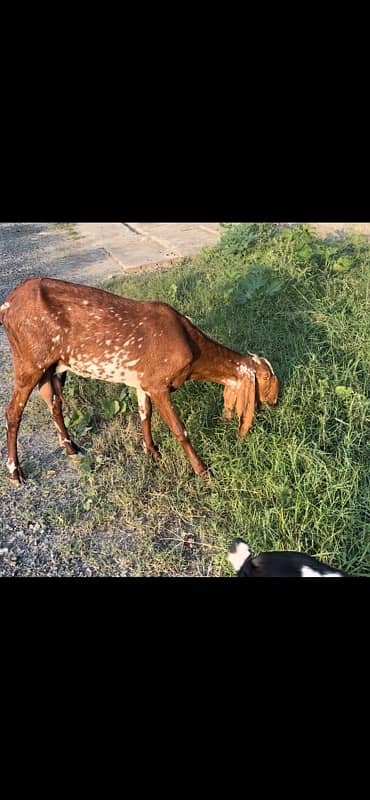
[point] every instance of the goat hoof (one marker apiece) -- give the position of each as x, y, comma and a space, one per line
17, 477
152, 451
74, 450
206, 474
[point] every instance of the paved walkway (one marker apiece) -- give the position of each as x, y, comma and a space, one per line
134, 244
329, 228
130, 245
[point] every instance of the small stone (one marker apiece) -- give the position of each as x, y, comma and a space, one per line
4, 551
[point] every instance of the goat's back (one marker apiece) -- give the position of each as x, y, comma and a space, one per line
54, 295
288, 564
93, 332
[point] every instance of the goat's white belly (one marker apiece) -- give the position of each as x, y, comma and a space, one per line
114, 369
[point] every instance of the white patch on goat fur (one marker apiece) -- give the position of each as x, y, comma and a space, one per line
238, 555
4, 306
11, 466
141, 402
55, 338
307, 572
113, 371
60, 367
244, 370
85, 302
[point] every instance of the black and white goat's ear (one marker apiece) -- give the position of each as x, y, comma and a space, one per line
238, 554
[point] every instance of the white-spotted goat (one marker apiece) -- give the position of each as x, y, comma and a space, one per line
54, 326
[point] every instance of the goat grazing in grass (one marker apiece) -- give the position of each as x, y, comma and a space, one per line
54, 326
278, 564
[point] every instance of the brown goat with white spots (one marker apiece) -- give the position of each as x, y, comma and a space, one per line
54, 326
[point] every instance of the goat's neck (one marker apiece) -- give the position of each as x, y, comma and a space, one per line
219, 364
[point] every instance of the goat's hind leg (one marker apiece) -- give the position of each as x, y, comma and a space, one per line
145, 411
51, 390
23, 386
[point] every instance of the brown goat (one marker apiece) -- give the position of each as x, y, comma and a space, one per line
54, 326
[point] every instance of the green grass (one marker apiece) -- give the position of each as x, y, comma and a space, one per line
68, 228
300, 480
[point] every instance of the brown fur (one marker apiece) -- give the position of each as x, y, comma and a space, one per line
53, 325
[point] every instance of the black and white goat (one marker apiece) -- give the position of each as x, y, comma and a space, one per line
278, 564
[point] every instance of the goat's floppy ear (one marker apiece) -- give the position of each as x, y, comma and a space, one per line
246, 402
229, 402
238, 554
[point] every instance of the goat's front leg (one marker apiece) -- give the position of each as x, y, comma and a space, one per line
162, 402
145, 411
13, 415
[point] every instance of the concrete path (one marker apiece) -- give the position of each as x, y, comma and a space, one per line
136, 244
338, 228
132, 245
